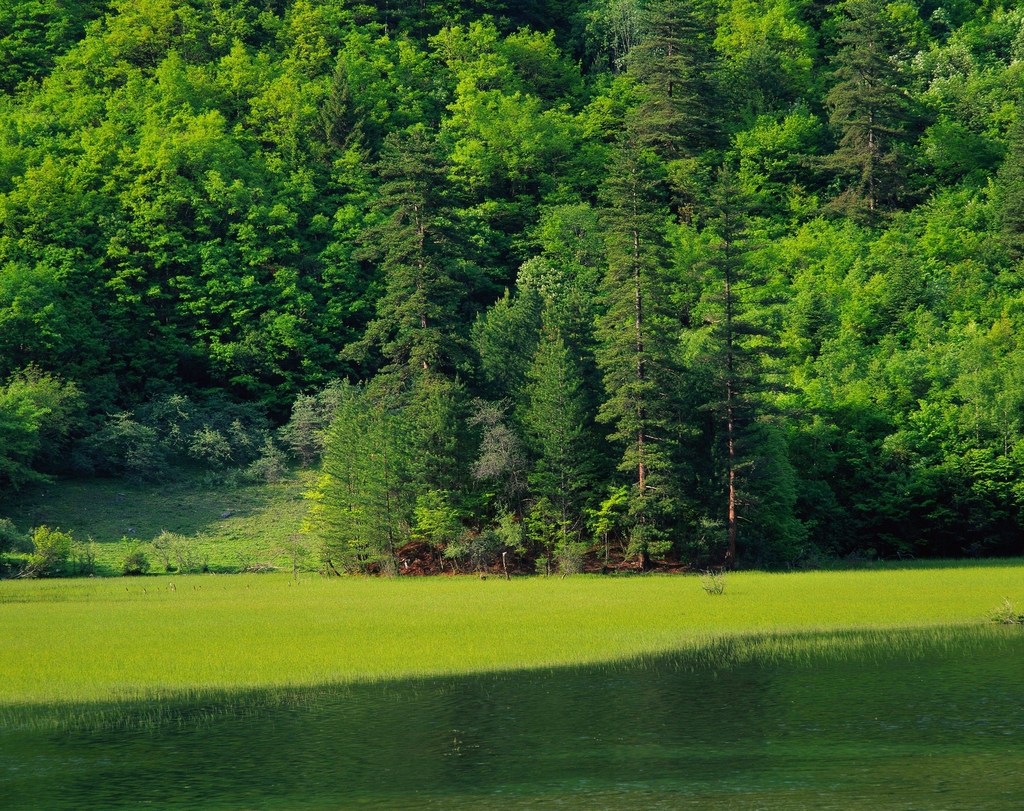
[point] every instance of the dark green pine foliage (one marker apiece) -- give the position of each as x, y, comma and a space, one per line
1009, 190
868, 109
556, 420
363, 501
738, 342
674, 61
419, 327
635, 353
419, 331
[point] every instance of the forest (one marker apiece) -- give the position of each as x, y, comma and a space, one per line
613, 283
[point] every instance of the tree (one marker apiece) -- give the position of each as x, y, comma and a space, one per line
735, 341
867, 107
556, 420
417, 328
673, 60
362, 499
37, 414
635, 352
1009, 189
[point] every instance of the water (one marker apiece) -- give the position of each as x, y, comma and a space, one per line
933, 721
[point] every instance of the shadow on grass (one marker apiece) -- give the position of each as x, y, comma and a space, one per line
758, 714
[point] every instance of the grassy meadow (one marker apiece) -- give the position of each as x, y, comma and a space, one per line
261, 516
105, 639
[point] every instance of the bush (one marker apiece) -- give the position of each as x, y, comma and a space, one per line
125, 447
163, 548
50, 552
270, 467
133, 558
37, 414
188, 556
146, 444
713, 582
1007, 614
11, 540
83, 557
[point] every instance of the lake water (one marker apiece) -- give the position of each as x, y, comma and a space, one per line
933, 721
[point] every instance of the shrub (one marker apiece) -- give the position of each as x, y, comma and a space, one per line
11, 540
713, 582
163, 548
38, 412
269, 467
1007, 614
83, 557
50, 552
210, 446
125, 447
133, 558
188, 556
570, 554
306, 431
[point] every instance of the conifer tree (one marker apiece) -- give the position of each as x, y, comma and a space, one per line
362, 499
867, 107
736, 343
635, 348
556, 420
674, 61
1009, 190
418, 324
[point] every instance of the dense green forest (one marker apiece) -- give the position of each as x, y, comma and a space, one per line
635, 281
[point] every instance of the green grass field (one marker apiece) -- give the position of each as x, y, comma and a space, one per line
262, 516
105, 639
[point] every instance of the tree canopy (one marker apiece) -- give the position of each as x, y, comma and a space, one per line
700, 282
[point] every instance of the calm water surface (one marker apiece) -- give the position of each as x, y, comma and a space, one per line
936, 722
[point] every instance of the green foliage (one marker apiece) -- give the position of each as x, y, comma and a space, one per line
11, 540
362, 507
436, 522
83, 557
37, 414
868, 107
305, 432
133, 557
1007, 613
635, 353
756, 263
51, 550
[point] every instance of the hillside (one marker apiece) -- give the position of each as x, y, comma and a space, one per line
680, 282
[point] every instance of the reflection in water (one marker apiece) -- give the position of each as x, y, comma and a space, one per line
927, 721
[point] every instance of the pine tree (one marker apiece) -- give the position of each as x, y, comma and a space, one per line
418, 325
1009, 190
635, 353
868, 108
737, 341
556, 421
362, 500
674, 61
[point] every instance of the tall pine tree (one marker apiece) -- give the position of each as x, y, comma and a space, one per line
867, 108
674, 61
556, 420
635, 352
418, 328
736, 342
